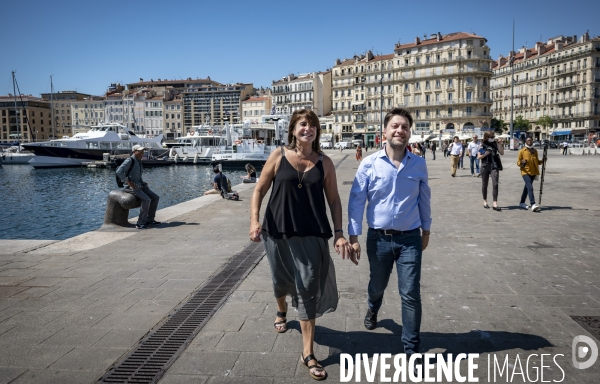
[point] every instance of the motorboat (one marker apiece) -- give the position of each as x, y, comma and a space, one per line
16, 155
233, 145
110, 138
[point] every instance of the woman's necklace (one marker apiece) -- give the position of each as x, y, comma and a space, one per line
306, 170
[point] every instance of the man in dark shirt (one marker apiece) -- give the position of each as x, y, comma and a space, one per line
219, 183
137, 186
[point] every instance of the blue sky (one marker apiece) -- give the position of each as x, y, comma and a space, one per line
88, 45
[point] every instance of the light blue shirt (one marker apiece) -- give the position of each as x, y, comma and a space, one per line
398, 198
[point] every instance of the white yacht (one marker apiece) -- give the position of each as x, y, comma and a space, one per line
233, 146
111, 138
16, 155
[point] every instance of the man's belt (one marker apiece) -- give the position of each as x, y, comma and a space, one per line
390, 232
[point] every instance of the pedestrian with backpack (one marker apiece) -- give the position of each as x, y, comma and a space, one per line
130, 173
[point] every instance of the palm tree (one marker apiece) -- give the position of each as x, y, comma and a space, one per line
498, 125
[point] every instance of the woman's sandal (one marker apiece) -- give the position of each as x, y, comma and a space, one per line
281, 326
317, 367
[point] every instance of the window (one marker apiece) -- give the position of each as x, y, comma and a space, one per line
449, 96
449, 112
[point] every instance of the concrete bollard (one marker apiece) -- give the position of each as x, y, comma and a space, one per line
117, 207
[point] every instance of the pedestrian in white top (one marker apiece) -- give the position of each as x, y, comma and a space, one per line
456, 151
473, 149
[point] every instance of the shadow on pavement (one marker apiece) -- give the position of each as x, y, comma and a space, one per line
476, 341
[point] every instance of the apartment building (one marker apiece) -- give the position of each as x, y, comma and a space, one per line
32, 120
61, 102
173, 118
153, 116
204, 101
444, 80
86, 113
254, 107
559, 78
304, 91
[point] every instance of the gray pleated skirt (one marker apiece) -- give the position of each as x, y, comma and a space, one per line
302, 268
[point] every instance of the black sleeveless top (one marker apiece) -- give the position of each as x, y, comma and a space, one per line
294, 211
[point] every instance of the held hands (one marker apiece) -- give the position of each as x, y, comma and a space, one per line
343, 247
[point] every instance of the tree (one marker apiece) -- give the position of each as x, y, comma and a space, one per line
521, 124
545, 121
498, 125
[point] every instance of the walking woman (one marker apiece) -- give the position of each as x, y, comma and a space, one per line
295, 229
358, 154
491, 165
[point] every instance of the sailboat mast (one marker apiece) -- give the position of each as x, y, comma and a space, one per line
16, 109
52, 106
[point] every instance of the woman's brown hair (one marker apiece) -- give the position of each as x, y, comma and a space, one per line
312, 119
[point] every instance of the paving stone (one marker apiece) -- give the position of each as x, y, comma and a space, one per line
76, 336
120, 338
89, 358
52, 376
280, 364
214, 363
31, 356
247, 342
7, 375
183, 379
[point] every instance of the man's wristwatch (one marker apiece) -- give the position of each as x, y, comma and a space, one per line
339, 230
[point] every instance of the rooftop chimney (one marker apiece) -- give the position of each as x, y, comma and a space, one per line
558, 45
539, 47
417, 40
439, 36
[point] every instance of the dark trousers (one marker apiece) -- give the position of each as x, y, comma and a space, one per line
528, 189
433, 153
149, 203
486, 172
405, 251
565, 150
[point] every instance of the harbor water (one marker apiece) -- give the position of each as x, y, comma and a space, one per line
55, 204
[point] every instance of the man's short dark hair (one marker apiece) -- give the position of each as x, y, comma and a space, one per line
216, 169
397, 112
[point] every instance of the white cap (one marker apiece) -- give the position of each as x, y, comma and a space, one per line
138, 148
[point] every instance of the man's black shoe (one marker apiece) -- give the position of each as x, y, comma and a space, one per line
142, 226
371, 320
152, 222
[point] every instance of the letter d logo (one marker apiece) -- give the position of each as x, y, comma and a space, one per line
580, 352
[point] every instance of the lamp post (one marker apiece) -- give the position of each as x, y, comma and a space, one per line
381, 106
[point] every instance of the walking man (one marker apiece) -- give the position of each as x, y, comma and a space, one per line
565, 146
473, 150
456, 151
393, 184
433, 148
529, 163
131, 174
445, 149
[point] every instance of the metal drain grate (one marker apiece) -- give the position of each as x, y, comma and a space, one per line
156, 352
589, 323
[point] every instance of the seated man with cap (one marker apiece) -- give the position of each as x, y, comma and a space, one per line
131, 174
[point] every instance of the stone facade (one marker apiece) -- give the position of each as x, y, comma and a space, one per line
62, 110
32, 110
304, 91
85, 113
442, 80
559, 79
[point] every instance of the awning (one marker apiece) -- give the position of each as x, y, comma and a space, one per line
561, 133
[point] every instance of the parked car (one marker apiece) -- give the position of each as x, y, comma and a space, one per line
325, 145
341, 145
536, 144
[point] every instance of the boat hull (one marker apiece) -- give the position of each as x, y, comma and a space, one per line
39, 162
12, 158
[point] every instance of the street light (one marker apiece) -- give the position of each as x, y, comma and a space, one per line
381, 105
